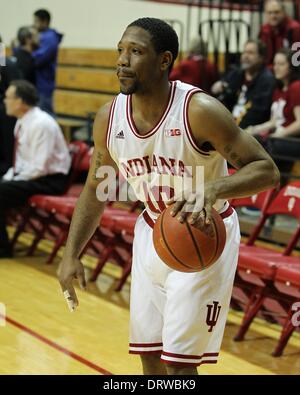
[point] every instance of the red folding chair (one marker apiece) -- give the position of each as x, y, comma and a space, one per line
83, 167
117, 249
260, 201
287, 282
257, 266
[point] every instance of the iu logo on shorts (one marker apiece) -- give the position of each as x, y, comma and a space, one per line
213, 311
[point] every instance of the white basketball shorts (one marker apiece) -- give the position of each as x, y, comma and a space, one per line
181, 316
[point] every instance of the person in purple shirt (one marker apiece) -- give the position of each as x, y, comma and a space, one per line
45, 58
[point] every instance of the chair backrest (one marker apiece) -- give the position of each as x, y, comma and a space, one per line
260, 200
84, 164
77, 151
287, 201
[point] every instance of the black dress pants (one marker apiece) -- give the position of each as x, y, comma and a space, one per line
15, 194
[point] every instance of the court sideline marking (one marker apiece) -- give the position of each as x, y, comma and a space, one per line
56, 346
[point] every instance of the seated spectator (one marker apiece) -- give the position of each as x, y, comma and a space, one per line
45, 58
41, 158
7, 74
285, 110
196, 69
285, 114
247, 90
279, 31
28, 42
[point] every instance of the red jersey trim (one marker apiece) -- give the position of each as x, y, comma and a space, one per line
208, 354
191, 360
145, 344
163, 117
188, 363
110, 121
187, 125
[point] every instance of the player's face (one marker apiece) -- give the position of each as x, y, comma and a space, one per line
281, 66
274, 13
138, 63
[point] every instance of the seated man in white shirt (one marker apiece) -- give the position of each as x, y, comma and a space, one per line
41, 157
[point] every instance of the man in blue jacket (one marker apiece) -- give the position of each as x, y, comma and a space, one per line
45, 58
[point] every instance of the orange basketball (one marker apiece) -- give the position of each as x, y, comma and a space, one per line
186, 248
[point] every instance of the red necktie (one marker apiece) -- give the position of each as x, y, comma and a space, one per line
16, 147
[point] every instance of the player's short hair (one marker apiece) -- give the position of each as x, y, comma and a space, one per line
261, 47
23, 34
43, 15
25, 91
164, 37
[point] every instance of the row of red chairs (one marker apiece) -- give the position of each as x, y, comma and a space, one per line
267, 282
50, 217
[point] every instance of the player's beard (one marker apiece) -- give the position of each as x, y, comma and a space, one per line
129, 90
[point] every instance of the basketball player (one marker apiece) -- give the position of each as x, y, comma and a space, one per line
157, 126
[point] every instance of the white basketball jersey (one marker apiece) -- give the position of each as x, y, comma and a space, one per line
166, 160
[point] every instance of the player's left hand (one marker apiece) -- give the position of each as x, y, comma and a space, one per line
195, 208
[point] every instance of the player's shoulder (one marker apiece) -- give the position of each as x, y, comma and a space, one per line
206, 105
102, 119
104, 111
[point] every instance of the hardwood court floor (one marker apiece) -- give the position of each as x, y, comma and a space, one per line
41, 336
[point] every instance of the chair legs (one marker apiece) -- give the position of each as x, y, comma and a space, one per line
252, 309
102, 261
286, 333
59, 242
125, 274
21, 227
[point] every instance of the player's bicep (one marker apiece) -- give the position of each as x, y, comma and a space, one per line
214, 123
239, 148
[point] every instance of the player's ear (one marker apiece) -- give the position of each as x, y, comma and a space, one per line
166, 60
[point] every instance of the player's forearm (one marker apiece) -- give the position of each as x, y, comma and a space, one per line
85, 220
252, 178
292, 130
263, 127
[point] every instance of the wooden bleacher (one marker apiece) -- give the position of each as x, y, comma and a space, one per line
85, 80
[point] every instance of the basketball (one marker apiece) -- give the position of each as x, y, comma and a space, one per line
186, 248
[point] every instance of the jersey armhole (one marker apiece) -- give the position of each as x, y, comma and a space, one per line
187, 125
110, 122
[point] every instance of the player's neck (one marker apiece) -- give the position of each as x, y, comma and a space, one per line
152, 101
148, 108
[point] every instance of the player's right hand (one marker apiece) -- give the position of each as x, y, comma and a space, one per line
69, 270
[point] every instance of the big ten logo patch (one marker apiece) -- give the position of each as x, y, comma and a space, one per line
172, 133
